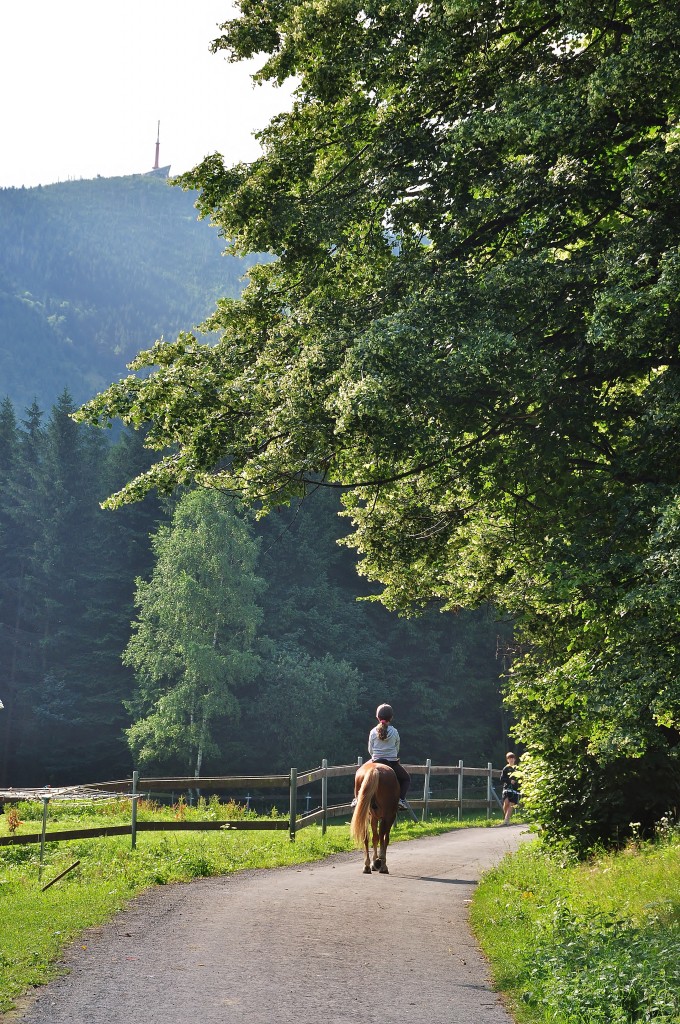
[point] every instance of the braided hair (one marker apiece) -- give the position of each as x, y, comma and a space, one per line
384, 714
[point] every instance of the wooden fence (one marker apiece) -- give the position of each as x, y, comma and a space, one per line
137, 788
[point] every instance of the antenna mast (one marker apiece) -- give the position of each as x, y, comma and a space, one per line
158, 146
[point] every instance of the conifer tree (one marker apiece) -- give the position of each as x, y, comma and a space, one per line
10, 577
21, 607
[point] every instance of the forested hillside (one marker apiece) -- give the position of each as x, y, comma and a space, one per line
90, 272
319, 660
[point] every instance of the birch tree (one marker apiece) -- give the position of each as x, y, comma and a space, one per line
191, 647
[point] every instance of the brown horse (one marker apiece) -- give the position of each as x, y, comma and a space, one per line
376, 789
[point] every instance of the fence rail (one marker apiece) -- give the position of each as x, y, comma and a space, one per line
215, 782
143, 826
137, 787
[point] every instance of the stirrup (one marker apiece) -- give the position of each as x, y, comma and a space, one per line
404, 806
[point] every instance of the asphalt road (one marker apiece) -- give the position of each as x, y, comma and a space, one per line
298, 945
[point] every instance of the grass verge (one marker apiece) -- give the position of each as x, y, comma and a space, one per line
35, 926
585, 943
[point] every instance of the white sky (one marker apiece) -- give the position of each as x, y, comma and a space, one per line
83, 84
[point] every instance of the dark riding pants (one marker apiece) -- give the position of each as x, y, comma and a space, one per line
400, 772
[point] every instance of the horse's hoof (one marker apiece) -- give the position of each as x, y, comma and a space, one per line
367, 871
376, 865
384, 871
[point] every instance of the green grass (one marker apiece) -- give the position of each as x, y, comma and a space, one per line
585, 943
35, 926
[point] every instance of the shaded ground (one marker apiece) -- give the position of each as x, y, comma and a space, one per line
295, 945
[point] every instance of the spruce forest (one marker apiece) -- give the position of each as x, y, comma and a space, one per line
180, 633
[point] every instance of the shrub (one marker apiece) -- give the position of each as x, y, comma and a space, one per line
582, 803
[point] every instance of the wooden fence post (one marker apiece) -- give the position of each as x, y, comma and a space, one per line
489, 786
133, 826
426, 790
460, 791
45, 801
324, 796
293, 804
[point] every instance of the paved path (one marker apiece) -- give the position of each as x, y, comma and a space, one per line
299, 945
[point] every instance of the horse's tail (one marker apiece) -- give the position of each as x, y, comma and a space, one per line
362, 812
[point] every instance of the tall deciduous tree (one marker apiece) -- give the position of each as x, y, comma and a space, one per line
192, 642
470, 326
302, 709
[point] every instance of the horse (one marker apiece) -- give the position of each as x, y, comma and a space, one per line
376, 789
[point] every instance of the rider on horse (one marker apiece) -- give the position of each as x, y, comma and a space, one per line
383, 746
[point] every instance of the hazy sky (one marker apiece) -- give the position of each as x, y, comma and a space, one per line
83, 84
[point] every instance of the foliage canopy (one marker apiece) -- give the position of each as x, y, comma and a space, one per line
470, 326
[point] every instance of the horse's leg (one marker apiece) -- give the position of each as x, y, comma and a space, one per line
383, 850
367, 859
374, 830
384, 843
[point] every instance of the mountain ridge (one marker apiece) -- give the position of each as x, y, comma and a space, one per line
92, 271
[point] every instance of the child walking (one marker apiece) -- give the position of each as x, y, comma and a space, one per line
383, 746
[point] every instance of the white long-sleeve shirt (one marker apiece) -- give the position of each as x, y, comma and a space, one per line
387, 748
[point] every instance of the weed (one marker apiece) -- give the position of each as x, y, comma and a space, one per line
596, 942
13, 820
